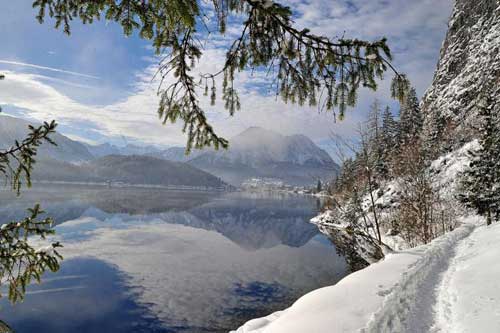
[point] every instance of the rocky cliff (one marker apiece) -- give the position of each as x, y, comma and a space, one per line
469, 65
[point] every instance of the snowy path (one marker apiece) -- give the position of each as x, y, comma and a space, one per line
449, 285
469, 294
411, 305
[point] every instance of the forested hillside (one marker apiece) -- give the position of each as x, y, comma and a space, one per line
415, 170
419, 188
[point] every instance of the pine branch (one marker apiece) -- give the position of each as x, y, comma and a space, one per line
301, 64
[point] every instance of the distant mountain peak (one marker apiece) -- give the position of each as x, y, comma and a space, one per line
259, 152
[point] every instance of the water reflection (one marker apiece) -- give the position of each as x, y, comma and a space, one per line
81, 297
186, 262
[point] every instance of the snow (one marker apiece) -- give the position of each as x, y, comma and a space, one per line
267, 4
445, 172
469, 297
46, 250
469, 55
449, 285
447, 168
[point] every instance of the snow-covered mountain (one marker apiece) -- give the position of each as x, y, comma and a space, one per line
176, 154
254, 153
469, 64
258, 152
449, 284
105, 149
71, 161
67, 150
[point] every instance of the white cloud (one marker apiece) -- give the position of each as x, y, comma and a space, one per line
184, 273
414, 30
51, 69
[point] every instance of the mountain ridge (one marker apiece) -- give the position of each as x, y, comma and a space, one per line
262, 153
254, 153
128, 170
68, 150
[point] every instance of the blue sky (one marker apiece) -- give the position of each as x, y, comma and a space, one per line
97, 83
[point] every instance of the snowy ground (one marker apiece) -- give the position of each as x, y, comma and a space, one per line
449, 285
469, 297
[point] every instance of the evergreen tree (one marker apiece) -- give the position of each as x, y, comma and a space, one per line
20, 262
303, 65
433, 133
410, 118
374, 137
319, 186
481, 181
390, 130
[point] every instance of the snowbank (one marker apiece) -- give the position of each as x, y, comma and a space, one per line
469, 297
394, 295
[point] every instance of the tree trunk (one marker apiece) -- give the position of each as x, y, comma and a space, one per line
379, 236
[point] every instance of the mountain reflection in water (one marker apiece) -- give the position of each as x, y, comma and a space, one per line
163, 261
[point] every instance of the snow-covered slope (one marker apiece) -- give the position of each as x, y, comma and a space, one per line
402, 292
261, 153
469, 63
468, 297
106, 149
449, 285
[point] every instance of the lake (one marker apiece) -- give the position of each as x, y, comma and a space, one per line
146, 260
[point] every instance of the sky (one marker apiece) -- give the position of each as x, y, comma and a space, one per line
98, 84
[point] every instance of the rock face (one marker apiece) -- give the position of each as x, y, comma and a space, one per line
468, 66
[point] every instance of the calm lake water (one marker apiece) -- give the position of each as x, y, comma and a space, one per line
140, 260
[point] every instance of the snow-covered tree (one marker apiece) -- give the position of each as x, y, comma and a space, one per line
433, 134
368, 167
481, 181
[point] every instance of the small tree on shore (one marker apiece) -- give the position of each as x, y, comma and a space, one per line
319, 186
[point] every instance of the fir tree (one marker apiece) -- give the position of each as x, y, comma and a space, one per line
303, 65
434, 130
20, 262
410, 118
374, 138
481, 181
390, 130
